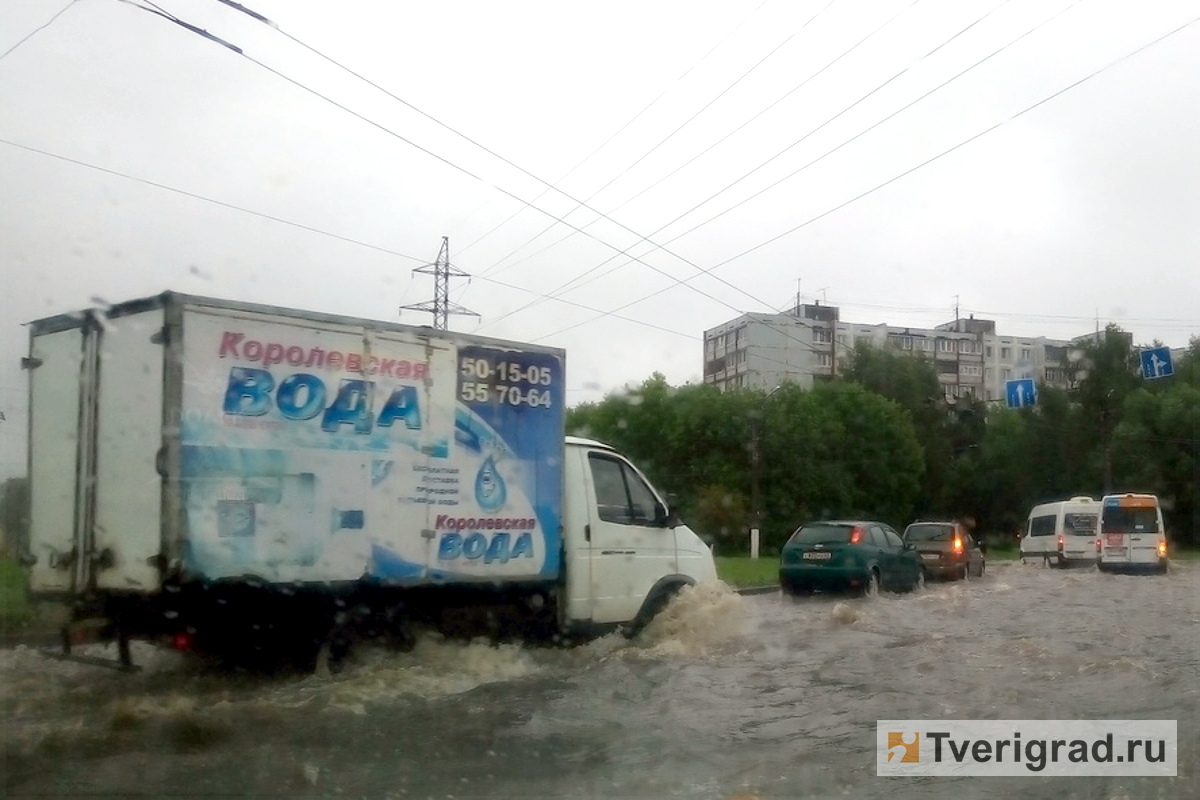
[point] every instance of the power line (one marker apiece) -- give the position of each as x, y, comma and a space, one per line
685, 123
638, 115
961, 144
922, 164
671, 174
464, 170
348, 239
37, 30
828, 152
214, 201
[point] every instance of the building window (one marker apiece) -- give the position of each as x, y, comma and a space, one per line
1006, 354
1026, 353
945, 345
1006, 374
824, 360
988, 351
901, 342
822, 336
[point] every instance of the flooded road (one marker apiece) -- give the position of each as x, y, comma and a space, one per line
727, 696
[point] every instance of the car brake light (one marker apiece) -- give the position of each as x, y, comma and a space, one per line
958, 545
856, 535
182, 642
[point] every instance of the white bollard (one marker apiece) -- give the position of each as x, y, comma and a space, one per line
754, 542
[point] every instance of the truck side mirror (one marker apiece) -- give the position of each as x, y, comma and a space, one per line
666, 515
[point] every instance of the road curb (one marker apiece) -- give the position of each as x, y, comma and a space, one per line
752, 590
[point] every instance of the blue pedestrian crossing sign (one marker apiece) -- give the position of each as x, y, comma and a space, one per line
1156, 363
1020, 393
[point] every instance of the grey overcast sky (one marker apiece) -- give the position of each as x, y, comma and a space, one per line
616, 177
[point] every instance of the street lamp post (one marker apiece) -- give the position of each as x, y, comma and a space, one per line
756, 472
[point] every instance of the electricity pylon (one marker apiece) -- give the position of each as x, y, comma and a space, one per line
440, 306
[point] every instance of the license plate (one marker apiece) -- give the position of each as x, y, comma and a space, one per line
814, 556
1114, 539
1115, 551
931, 556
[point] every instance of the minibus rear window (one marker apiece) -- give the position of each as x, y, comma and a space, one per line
1080, 524
1130, 520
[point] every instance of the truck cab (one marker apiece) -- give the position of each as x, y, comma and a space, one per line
626, 552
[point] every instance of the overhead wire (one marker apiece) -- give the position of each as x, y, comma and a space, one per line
575, 282
525, 203
918, 166
682, 125
637, 115
214, 201
387, 250
829, 152
37, 30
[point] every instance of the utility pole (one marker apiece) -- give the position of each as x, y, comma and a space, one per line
756, 436
440, 306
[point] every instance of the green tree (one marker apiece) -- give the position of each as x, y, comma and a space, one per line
722, 515
838, 450
1156, 446
944, 430
992, 483
1111, 375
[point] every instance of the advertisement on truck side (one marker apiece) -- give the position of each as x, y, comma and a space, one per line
326, 453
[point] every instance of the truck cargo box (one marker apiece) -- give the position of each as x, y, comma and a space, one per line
193, 439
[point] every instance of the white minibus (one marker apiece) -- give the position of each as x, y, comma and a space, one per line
1062, 533
1132, 535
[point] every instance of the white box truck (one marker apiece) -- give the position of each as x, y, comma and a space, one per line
248, 480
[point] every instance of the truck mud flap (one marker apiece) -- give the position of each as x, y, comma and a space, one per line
93, 631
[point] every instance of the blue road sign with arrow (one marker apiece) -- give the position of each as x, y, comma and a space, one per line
1020, 393
1156, 363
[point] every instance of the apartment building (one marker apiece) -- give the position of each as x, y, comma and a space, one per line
808, 344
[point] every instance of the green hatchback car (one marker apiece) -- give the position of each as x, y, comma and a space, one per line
862, 556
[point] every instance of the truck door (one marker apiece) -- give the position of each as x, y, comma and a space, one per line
62, 374
630, 545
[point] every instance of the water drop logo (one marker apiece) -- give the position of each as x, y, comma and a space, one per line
490, 492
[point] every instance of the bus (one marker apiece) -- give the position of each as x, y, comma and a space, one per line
1062, 533
1132, 535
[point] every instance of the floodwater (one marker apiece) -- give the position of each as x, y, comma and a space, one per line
724, 697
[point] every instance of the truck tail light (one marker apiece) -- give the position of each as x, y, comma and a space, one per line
1162, 549
1060, 544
